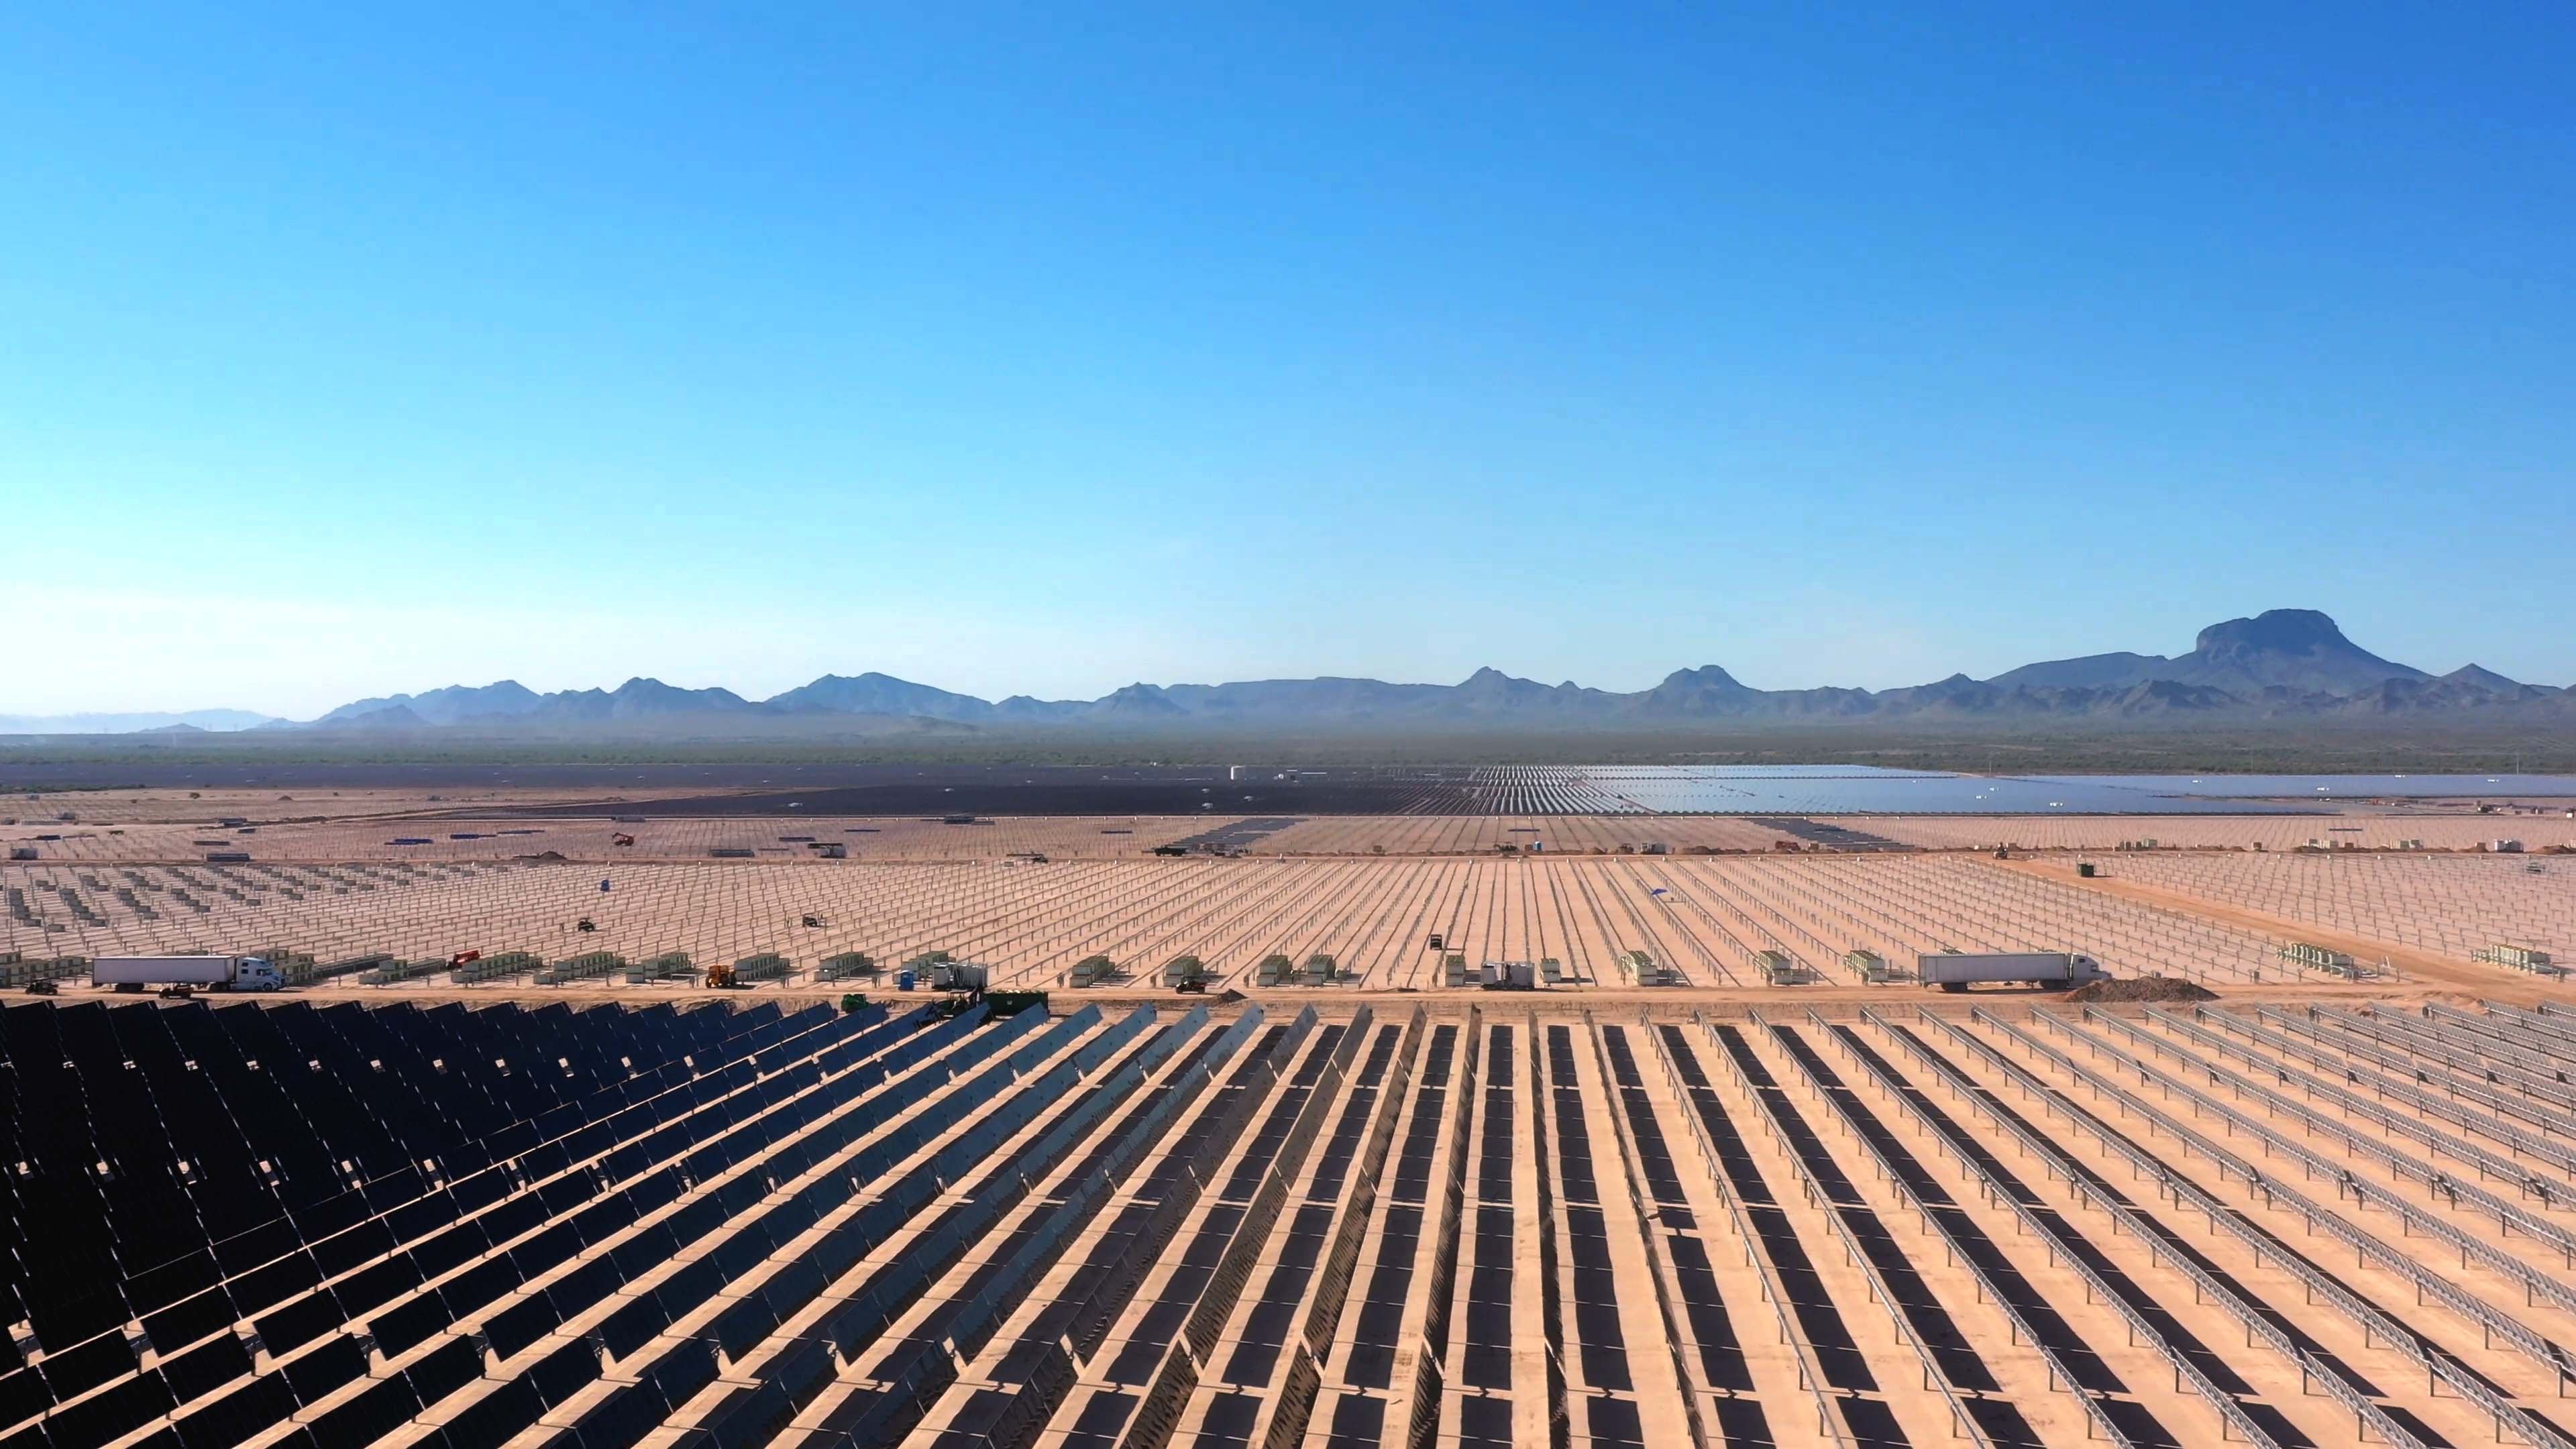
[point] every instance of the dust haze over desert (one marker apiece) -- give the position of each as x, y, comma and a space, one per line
805, 729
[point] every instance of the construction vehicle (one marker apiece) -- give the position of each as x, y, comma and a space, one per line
585, 924
621, 838
44, 986
811, 921
463, 957
720, 977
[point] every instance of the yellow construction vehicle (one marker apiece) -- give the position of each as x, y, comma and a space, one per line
720, 978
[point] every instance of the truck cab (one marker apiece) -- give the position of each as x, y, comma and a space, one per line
253, 973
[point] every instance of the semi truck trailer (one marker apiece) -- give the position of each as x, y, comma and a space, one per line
1956, 970
228, 973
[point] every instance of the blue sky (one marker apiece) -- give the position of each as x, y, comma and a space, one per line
1025, 348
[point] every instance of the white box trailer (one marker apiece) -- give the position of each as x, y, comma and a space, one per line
230, 973
1957, 970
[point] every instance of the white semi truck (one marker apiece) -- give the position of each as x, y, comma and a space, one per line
226, 973
1956, 970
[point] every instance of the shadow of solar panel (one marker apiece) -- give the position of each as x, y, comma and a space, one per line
1613, 1422
1484, 1421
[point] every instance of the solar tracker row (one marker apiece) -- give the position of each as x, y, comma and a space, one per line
732, 1225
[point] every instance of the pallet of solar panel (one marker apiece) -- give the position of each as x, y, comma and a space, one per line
667, 966
1778, 968
2520, 958
27, 972
492, 967
361, 966
1091, 971
1873, 968
1639, 968
1181, 973
1454, 970
1274, 970
848, 966
586, 966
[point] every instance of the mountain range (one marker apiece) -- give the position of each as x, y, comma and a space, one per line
2286, 663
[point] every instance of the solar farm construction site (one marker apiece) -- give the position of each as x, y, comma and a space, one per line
589, 1126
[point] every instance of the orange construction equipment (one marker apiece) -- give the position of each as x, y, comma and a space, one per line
461, 957
720, 978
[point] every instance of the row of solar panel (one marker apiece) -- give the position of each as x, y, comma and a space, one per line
155, 1120
293, 1304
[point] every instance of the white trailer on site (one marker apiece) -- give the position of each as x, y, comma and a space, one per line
229, 973
1957, 970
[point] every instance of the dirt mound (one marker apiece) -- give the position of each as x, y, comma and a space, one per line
2143, 988
542, 856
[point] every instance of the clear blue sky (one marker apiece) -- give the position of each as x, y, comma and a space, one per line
345, 351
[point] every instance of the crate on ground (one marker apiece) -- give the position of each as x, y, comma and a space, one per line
848, 966
1091, 971
763, 966
668, 966
588, 966
1873, 968
2520, 958
494, 967
1779, 968
393, 970
1183, 968
1640, 968
1273, 970
17, 971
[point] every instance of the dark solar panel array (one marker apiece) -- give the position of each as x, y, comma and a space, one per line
343, 1224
